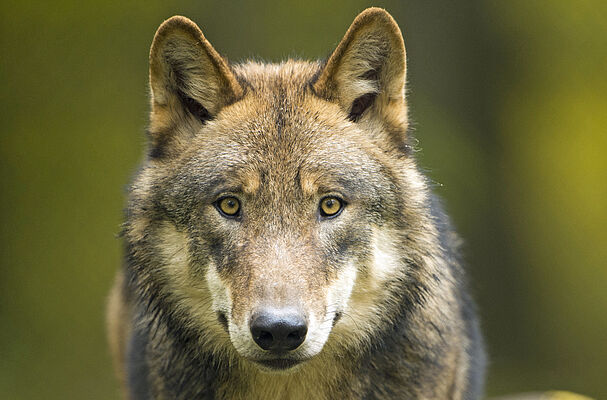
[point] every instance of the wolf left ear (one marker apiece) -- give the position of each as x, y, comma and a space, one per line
366, 72
189, 81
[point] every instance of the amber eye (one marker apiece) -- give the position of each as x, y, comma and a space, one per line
330, 206
229, 206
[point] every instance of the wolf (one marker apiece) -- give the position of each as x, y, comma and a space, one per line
280, 240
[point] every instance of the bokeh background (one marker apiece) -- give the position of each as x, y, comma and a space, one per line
509, 101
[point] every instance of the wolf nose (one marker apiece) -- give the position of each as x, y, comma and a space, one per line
278, 330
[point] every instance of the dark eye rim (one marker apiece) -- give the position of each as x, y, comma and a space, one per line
224, 214
324, 215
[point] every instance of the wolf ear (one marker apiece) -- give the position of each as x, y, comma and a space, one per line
189, 81
366, 72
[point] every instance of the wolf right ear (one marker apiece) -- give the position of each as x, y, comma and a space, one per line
366, 73
189, 81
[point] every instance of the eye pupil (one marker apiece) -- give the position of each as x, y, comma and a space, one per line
330, 207
229, 206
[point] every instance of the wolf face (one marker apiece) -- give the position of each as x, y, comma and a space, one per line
271, 197
280, 240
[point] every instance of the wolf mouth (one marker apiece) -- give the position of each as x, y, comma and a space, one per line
278, 364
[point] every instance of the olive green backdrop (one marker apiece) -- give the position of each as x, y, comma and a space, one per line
509, 101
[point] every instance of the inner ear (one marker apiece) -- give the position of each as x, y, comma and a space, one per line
363, 102
194, 107
360, 105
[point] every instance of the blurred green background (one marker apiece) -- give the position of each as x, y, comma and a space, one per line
509, 101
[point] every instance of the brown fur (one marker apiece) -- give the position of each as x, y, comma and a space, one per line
380, 285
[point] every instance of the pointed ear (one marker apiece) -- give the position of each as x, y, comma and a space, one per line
366, 72
189, 81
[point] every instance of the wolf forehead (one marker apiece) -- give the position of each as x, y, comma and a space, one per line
281, 133
279, 114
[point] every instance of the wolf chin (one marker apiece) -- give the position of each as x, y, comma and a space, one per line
280, 241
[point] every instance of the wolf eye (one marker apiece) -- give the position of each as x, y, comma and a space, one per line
228, 206
330, 207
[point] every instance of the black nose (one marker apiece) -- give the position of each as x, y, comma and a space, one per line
278, 330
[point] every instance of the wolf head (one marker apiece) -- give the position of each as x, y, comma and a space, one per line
273, 215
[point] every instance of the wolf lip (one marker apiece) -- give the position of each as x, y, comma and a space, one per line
279, 364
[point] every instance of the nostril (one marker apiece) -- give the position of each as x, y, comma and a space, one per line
264, 339
296, 337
